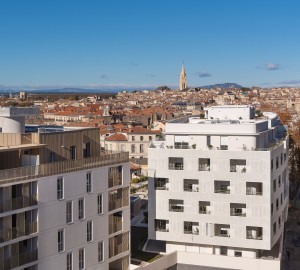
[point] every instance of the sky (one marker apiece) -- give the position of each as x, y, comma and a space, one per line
143, 43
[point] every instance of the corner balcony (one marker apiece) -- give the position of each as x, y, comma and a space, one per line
222, 230
238, 209
10, 176
255, 233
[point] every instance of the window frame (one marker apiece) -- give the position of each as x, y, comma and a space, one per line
69, 215
61, 240
60, 188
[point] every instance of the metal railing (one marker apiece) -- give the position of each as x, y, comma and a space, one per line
250, 192
222, 234
226, 191
19, 260
175, 166
204, 212
254, 237
161, 229
7, 234
234, 212
68, 166
18, 203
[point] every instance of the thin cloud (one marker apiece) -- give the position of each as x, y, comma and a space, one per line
104, 76
290, 82
203, 74
272, 66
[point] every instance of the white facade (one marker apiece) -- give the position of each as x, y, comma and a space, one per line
220, 188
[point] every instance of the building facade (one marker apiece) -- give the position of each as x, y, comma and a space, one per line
63, 204
218, 189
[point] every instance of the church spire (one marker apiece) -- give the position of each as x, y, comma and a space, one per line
182, 81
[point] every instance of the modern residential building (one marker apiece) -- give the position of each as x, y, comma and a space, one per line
218, 189
64, 204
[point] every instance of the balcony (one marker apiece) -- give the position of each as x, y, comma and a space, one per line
118, 244
161, 225
175, 163
191, 227
114, 176
222, 187
32, 172
237, 209
204, 164
191, 185
238, 165
222, 230
204, 207
255, 233
115, 222
176, 206
18, 203
19, 260
161, 183
253, 188
118, 198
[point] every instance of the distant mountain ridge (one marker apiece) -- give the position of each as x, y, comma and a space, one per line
104, 89
222, 85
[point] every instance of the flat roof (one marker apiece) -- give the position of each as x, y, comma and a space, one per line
20, 147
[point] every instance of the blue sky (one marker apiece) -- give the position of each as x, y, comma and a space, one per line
144, 42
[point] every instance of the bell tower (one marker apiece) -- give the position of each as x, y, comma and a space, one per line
182, 82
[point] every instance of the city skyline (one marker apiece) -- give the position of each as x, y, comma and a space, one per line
143, 44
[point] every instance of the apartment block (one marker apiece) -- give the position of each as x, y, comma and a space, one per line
218, 189
64, 204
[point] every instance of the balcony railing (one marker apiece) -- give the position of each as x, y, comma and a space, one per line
252, 192
204, 212
161, 187
19, 260
176, 166
222, 234
224, 191
161, 229
175, 208
7, 234
254, 237
18, 203
68, 166
238, 213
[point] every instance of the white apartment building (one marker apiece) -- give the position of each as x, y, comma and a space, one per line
218, 189
63, 203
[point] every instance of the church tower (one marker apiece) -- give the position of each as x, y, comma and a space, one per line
182, 82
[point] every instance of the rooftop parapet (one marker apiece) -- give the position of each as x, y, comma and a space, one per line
58, 168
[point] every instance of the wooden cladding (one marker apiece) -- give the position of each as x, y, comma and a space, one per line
114, 176
118, 244
118, 198
57, 168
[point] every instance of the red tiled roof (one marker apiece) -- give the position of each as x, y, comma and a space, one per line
117, 137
